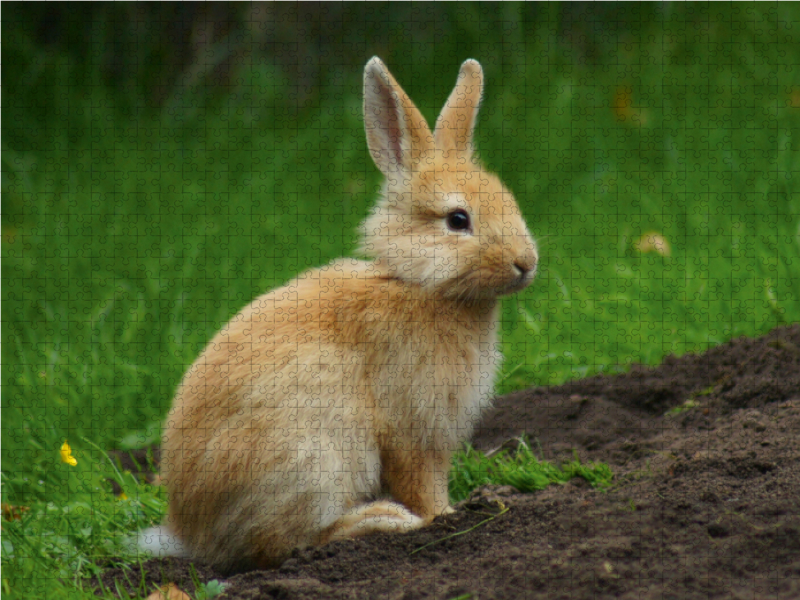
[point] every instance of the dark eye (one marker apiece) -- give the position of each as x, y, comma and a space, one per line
458, 220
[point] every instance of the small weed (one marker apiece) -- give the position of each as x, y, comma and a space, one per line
206, 591
690, 403
677, 410
503, 511
212, 589
522, 469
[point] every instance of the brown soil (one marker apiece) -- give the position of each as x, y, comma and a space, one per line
706, 502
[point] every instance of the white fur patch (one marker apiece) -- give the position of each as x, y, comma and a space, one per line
160, 541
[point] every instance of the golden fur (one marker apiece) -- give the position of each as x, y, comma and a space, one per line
360, 377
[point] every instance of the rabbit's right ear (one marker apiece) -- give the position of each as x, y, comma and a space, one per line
456, 123
397, 134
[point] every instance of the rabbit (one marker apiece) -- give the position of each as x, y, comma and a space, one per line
329, 408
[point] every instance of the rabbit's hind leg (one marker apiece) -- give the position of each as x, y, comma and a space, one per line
381, 515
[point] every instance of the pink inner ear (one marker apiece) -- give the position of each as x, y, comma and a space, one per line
393, 131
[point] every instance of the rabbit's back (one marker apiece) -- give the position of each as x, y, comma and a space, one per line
273, 404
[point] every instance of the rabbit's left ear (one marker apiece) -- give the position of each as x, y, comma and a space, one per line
456, 123
397, 134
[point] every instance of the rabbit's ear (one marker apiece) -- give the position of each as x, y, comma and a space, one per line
397, 134
456, 123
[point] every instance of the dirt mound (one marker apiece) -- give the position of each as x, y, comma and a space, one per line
706, 504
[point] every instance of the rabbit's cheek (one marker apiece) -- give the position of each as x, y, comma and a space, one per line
445, 267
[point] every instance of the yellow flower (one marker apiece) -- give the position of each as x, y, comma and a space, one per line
66, 455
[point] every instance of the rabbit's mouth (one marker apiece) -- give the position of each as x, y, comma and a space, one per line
473, 286
523, 277
519, 284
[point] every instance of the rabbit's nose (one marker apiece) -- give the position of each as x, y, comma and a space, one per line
523, 266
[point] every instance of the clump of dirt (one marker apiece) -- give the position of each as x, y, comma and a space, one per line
706, 503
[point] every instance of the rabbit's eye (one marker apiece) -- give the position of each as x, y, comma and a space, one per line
458, 220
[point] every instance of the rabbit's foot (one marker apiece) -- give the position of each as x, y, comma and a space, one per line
382, 515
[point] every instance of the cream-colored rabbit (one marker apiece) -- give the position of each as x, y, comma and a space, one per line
360, 377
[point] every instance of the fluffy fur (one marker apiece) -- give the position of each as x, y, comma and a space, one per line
329, 408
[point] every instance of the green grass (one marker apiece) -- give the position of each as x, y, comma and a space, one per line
55, 545
130, 235
521, 469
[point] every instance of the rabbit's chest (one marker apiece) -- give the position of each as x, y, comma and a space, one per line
439, 385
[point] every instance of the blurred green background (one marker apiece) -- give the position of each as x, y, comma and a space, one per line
162, 164
165, 163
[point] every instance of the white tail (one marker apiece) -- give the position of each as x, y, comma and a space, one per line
160, 541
